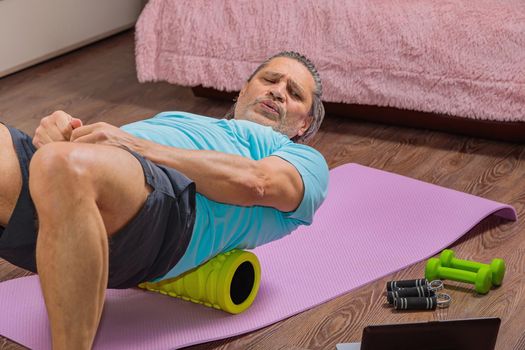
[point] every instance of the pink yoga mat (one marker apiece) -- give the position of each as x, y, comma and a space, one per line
372, 224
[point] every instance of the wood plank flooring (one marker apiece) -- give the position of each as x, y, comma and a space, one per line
98, 83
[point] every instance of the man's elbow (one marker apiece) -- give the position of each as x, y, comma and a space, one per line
253, 189
256, 190
264, 192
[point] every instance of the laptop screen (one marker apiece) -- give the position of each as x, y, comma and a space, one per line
464, 334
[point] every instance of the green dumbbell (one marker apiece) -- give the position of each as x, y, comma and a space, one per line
497, 266
482, 279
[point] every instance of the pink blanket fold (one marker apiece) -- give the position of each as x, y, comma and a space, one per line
460, 57
372, 224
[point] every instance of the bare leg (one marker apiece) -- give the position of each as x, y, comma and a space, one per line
82, 194
11, 178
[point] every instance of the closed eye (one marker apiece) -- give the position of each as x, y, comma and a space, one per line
296, 95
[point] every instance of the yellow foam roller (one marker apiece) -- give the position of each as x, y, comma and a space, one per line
228, 282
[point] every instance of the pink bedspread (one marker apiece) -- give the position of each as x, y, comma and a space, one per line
460, 57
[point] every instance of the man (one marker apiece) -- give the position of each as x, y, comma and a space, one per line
108, 207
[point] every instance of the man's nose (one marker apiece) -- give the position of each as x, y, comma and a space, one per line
277, 92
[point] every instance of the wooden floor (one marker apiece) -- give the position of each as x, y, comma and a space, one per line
98, 83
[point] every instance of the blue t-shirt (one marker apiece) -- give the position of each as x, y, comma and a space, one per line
222, 227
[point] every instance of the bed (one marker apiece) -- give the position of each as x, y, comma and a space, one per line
449, 65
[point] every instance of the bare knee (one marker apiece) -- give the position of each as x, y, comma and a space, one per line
57, 170
62, 174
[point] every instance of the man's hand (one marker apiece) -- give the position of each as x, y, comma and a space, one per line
106, 134
57, 126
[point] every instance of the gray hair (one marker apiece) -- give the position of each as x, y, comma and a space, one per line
317, 111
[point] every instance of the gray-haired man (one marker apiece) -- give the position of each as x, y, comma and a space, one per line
94, 207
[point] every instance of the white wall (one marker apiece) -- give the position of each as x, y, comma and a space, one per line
32, 31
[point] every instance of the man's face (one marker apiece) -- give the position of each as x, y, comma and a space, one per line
280, 96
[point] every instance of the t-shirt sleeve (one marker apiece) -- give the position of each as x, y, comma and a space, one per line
314, 172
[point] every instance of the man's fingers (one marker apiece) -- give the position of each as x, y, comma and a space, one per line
90, 138
41, 139
61, 114
64, 127
76, 123
82, 131
48, 131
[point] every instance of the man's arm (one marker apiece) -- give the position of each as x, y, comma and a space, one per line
234, 179
222, 177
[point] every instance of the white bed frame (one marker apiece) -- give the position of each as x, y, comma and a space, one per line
32, 31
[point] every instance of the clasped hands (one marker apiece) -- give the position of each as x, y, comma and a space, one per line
60, 126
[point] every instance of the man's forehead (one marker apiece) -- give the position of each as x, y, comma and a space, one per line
291, 68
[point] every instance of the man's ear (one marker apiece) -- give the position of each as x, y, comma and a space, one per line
305, 124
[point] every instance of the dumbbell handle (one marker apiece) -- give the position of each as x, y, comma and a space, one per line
457, 275
468, 265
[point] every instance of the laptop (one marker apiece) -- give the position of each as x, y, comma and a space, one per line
463, 334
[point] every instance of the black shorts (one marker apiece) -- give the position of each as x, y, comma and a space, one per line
145, 249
